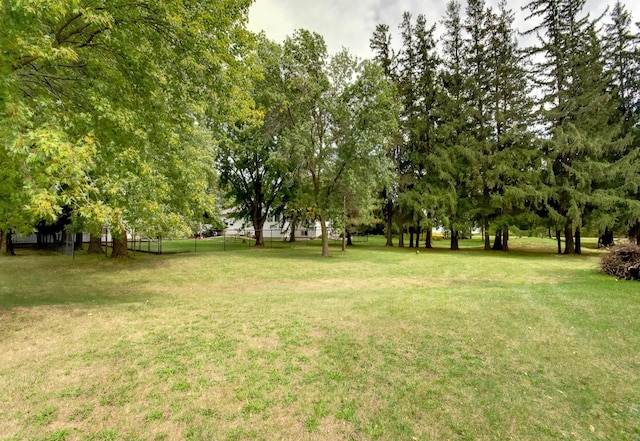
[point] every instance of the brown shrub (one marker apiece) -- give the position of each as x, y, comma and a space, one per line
622, 261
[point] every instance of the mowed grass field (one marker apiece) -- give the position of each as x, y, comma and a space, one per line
281, 344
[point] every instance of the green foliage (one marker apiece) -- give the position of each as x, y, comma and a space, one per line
579, 113
255, 169
458, 154
417, 160
341, 116
104, 106
124, 112
622, 58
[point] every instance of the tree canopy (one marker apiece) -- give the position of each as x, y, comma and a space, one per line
105, 105
133, 115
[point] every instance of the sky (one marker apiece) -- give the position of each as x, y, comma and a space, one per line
350, 23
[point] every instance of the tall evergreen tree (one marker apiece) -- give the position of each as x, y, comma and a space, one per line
457, 157
418, 88
477, 75
509, 164
576, 110
427, 121
622, 53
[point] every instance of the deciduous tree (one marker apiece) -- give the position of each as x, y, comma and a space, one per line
342, 117
253, 164
103, 106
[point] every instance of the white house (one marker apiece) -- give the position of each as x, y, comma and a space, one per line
275, 227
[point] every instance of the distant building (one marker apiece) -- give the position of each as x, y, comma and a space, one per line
275, 227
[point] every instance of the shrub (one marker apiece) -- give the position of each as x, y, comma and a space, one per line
622, 261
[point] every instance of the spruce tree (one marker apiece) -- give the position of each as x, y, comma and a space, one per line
510, 163
456, 154
418, 64
621, 47
575, 110
475, 60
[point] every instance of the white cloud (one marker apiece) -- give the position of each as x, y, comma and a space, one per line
350, 23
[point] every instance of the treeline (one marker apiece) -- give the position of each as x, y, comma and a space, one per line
145, 117
495, 135
488, 134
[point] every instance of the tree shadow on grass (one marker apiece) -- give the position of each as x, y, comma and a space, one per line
33, 279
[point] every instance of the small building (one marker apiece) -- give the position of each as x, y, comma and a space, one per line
275, 227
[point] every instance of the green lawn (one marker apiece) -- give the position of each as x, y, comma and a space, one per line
279, 343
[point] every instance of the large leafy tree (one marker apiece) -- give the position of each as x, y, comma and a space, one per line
341, 116
44, 154
253, 165
105, 104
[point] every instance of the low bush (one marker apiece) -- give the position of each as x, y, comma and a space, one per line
622, 261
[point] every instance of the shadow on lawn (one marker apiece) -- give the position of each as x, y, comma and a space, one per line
33, 279
311, 250
69, 298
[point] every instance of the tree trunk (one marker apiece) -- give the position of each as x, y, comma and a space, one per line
578, 242
487, 239
505, 239
454, 239
411, 231
95, 246
559, 240
427, 241
258, 227
325, 237
401, 237
389, 220
120, 249
606, 239
292, 233
6, 245
634, 233
497, 241
569, 247
418, 235
77, 243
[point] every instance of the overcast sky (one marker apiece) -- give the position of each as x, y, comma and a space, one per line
350, 23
